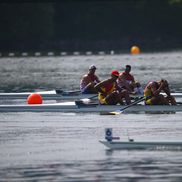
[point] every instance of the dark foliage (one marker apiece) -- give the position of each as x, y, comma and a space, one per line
91, 25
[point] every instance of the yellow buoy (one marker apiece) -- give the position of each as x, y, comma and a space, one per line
34, 99
135, 50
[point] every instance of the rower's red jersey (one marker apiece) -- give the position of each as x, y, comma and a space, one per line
128, 77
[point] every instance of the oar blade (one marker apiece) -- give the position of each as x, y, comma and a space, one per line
116, 112
106, 113
111, 113
126, 107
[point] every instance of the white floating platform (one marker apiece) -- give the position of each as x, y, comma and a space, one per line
141, 144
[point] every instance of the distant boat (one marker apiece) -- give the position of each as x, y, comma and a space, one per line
59, 94
111, 143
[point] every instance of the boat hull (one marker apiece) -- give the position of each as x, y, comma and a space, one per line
53, 95
140, 145
46, 95
72, 107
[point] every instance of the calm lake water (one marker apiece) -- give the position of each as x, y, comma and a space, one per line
65, 146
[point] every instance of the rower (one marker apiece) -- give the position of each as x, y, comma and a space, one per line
110, 93
88, 81
152, 93
127, 81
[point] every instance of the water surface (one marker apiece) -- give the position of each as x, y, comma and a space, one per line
65, 146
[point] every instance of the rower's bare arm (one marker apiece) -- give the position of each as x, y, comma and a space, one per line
156, 91
166, 88
167, 91
84, 80
97, 79
99, 85
117, 87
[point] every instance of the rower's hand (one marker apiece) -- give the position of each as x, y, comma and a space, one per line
104, 94
169, 97
92, 84
133, 93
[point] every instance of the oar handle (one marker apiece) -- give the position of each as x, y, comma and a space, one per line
81, 102
94, 96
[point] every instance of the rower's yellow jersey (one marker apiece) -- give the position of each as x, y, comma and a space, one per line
107, 89
147, 96
147, 93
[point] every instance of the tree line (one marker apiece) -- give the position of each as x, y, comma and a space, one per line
91, 25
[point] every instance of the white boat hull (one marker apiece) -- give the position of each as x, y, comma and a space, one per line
46, 95
140, 145
72, 107
52, 95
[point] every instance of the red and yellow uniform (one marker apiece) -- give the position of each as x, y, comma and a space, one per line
129, 78
148, 92
107, 89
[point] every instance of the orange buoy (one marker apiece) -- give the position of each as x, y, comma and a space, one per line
135, 50
34, 99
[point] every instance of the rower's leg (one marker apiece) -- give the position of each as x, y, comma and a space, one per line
132, 86
158, 100
171, 100
112, 99
139, 88
124, 94
163, 100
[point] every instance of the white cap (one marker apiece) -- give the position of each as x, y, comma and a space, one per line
92, 67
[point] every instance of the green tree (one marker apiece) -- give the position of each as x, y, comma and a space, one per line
26, 23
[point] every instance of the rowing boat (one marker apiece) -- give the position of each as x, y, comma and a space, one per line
140, 144
91, 107
59, 95
48, 95
131, 144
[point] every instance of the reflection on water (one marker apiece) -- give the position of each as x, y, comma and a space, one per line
65, 147
111, 169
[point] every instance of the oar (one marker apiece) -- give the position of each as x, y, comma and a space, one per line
60, 91
179, 103
121, 110
84, 101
